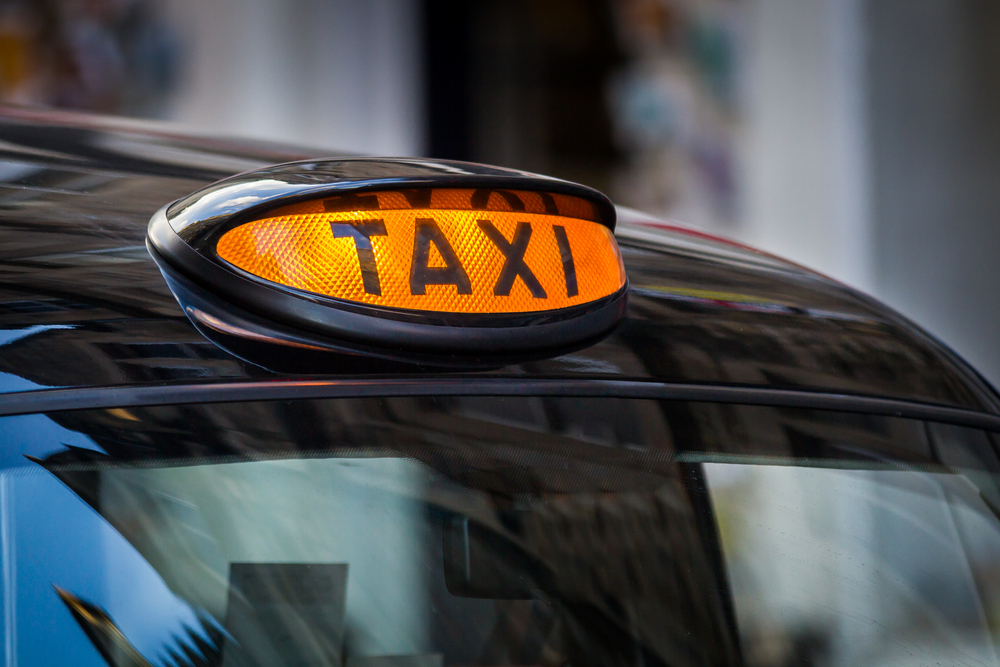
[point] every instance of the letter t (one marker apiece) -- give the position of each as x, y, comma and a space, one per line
362, 233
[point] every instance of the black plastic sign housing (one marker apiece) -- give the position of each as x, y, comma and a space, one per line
217, 296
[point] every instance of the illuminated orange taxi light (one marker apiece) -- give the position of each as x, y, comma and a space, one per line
430, 259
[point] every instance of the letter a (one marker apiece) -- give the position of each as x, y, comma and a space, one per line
422, 274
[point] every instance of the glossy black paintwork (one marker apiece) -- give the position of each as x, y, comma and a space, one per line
83, 304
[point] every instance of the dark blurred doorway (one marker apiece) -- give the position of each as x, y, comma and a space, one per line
521, 84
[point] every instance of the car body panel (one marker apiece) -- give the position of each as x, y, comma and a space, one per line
82, 304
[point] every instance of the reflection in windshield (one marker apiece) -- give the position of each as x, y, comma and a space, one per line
859, 567
375, 560
446, 532
198, 522
372, 560
351, 561
50, 539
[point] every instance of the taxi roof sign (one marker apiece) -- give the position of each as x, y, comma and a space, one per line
413, 254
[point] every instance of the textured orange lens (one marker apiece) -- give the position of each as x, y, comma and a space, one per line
429, 259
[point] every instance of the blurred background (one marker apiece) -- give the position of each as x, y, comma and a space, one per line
859, 137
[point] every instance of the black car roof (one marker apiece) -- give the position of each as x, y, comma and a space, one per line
82, 304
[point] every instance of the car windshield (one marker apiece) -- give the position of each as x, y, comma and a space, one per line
503, 532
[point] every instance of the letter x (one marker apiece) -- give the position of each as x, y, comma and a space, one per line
514, 266
362, 233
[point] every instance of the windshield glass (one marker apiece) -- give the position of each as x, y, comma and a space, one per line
849, 567
501, 532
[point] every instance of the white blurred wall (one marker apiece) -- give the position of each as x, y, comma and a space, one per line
935, 119
340, 74
806, 168
873, 154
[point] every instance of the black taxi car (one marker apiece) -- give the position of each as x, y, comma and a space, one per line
388, 413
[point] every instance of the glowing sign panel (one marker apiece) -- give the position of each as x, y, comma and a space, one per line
431, 258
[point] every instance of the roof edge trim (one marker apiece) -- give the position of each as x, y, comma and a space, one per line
91, 398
